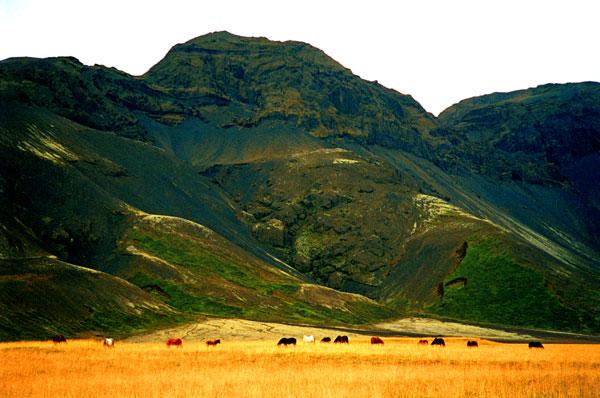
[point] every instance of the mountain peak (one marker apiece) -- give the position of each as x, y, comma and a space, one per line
251, 49
292, 81
223, 36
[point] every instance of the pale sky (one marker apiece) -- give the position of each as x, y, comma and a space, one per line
438, 51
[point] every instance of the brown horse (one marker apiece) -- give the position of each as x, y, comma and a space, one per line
213, 343
176, 342
376, 340
423, 342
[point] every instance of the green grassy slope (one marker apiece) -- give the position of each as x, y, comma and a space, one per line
197, 271
495, 285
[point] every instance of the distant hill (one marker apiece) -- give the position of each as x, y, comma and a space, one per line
242, 177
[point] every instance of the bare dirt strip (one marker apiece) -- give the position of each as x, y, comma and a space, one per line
240, 329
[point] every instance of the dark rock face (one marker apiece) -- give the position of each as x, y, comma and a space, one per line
329, 230
96, 97
529, 136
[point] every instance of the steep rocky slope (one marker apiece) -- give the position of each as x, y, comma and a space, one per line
541, 149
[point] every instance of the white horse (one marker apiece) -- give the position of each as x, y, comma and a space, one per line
308, 339
109, 342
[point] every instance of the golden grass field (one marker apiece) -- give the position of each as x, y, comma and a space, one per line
400, 368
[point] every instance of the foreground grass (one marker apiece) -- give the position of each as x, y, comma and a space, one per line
260, 369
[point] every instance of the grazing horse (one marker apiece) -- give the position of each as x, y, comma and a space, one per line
59, 338
213, 343
341, 340
472, 343
536, 344
326, 340
308, 339
376, 340
439, 341
176, 342
423, 342
109, 342
285, 341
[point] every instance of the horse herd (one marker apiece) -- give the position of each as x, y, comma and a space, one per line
109, 342
285, 341
438, 341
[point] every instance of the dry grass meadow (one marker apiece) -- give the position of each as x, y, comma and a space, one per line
400, 368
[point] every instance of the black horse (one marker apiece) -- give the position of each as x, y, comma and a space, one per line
285, 341
439, 341
536, 344
59, 338
326, 340
472, 343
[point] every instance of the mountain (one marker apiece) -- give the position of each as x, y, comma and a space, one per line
253, 81
242, 177
546, 142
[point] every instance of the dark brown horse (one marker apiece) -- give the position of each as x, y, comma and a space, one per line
472, 343
341, 340
439, 341
213, 343
376, 340
176, 342
536, 344
326, 340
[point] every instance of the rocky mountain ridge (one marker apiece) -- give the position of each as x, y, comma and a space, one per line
311, 178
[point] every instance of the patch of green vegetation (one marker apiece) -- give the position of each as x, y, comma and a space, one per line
369, 312
288, 290
501, 291
356, 313
188, 254
292, 309
181, 298
122, 324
